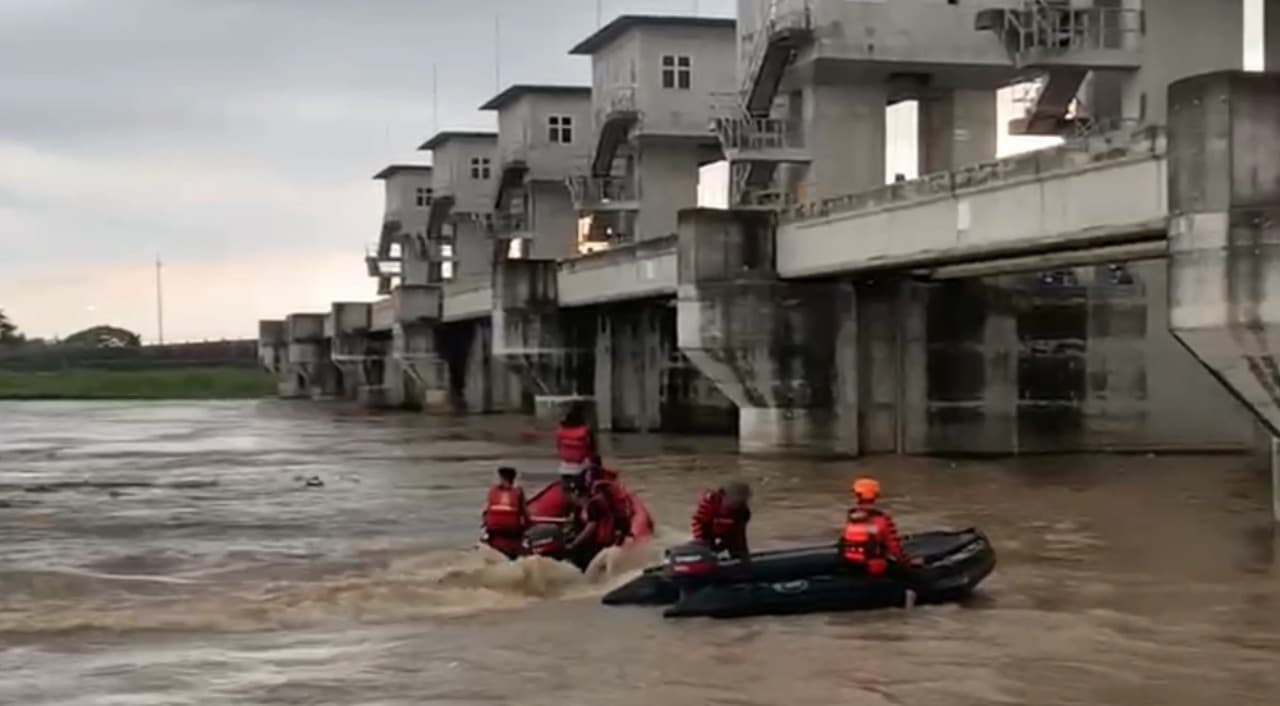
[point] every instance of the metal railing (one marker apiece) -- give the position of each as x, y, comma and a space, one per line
619, 100
507, 223
1042, 25
1147, 141
772, 199
1108, 129
748, 133
592, 190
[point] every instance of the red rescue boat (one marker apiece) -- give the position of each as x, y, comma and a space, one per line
547, 508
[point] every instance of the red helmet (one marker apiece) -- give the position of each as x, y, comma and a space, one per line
866, 489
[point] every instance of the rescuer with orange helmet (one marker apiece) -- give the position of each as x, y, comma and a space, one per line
870, 539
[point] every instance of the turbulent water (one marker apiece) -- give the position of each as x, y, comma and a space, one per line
173, 554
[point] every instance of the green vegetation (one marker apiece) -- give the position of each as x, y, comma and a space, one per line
9, 335
153, 384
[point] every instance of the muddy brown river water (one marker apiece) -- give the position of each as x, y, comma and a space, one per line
171, 554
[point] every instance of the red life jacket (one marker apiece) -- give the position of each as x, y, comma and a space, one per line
862, 544
502, 511
725, 523
717, 525
599, 507
574, 444
603, 478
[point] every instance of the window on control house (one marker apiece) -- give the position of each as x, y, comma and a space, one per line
424, 196
560, 129
480, 168
677, 71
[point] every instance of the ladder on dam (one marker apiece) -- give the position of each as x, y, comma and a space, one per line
753, 142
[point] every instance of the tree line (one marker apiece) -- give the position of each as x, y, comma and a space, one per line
101, 336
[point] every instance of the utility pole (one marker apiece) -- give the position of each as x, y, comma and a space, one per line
598, 15
497, 54
435, 101
159, 301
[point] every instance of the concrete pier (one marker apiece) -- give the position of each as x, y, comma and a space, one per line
783, 353
1224, 234
957, 127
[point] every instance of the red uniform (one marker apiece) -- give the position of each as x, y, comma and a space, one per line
719, 526
870, 540
604, 480
574, 444
600, 510
505, 519
599, 515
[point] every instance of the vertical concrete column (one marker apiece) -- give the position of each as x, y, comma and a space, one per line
1271, 34
475, 374
667, 183
1224, 234
1274, 458
422, 368
603, 384
878, 367
654, 357
956, 129
1000, 393
845, 136
626, 377
913, 405
529, 336
636, 352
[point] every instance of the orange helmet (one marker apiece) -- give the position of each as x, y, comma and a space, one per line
866, 489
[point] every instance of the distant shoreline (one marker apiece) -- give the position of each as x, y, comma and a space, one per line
195, 383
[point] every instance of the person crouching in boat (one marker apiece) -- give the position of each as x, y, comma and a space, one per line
602, 525
870, 540
598, 473
506, 515
575, 441
720, 520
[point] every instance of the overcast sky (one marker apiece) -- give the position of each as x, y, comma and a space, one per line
236, 139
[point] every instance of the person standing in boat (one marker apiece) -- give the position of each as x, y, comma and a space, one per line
721, 517
506, 515
575, 440
870, 540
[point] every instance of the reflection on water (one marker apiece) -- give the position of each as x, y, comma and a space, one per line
172, 554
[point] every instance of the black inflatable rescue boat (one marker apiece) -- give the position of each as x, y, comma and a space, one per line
694, 582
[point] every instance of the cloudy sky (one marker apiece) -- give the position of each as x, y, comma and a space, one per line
236, 140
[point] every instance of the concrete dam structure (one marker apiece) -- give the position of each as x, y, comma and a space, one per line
1112, 292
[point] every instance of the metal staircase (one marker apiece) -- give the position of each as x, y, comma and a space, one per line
511, 178
615, 118
1063, 44
377, 262
786, 30
753, 142
1053, 108
602, 193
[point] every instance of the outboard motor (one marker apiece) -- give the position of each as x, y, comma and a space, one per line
692, 566
545, 540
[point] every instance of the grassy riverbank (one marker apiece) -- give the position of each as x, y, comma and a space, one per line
154, 384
